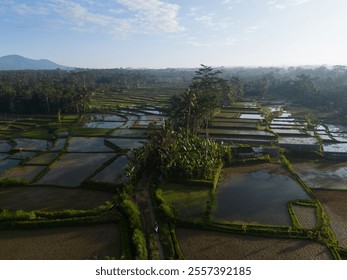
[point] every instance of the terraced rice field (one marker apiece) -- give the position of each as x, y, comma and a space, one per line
25, 172
30, 144
43, 159
256, 194
323, 174
189, 202
73, 243
206, 245
335, 204
113, 173
51, 198
7, 164
126, 143
306, 216
88, 144
73, 168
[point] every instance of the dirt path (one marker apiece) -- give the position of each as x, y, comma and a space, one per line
144, 202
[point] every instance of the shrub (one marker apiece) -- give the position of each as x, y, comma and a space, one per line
180, 155
139, 241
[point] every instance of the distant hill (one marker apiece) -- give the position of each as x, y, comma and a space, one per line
17, 62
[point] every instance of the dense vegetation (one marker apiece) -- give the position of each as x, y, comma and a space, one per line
175, 150
180, 155
70, 91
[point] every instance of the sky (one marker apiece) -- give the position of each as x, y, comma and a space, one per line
176, 33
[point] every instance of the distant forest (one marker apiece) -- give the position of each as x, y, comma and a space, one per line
49, 92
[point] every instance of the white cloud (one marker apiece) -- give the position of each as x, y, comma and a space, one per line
154, 15
283, 4
133, 16
279, 7
210, 19
299, 2
250, 29
24, 9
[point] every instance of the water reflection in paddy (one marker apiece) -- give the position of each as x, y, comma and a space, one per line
256, 194
110, 125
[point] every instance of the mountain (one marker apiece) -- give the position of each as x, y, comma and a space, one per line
17, 62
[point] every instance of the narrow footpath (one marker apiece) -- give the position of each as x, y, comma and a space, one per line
143, 200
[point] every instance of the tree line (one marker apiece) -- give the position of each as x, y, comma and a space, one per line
70, 91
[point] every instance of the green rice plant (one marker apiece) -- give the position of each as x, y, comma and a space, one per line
37, 133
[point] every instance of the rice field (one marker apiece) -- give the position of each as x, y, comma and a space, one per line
7, 164
126, 143
306, 216
73, 168
51, 199
23, 173
73, 243
43, 158
323, 174
113, 173
256, 194
335, 204
189, 202
206, 245
30, 144
5, 146
88, 144
85, 150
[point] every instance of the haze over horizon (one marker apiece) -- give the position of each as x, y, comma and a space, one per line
175, 33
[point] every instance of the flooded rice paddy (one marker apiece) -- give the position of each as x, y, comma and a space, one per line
51, 199
256, 194
306, 216
206, 245
323, 174
126, 143
113, 173
7, 164
335, 204
43, 159
73, 168
252, 116
134, 133
5, 146
23, 173
110, 125
246, 194
72, 243
32, 144
88, 144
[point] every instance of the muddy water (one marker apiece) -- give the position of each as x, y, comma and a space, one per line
256, 194
323, 175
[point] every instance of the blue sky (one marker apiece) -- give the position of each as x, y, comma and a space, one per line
176, 33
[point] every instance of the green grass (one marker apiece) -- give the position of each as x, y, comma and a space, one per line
188, 201
37, 133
